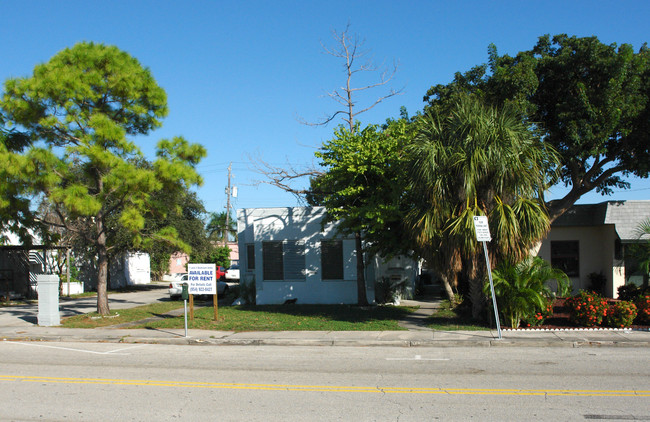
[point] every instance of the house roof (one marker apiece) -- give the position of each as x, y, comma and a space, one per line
624, 215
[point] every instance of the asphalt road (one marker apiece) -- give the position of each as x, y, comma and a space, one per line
146, 382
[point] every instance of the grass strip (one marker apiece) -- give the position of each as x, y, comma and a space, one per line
256, 318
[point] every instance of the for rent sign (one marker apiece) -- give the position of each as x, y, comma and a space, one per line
201, 279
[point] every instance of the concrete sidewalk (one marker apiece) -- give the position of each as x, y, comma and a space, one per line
20, 324
413, 338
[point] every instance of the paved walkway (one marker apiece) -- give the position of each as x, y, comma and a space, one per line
20, 324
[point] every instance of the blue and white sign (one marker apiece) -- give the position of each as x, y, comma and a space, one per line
201, 279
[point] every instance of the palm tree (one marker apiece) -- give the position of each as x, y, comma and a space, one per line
523, 289
474, 160
216, 227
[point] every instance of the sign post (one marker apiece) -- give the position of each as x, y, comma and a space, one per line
185, 295
483, 235
201, 279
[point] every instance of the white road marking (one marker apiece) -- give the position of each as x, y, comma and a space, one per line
110, 352
417, 357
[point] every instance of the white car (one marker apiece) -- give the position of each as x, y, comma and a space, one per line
232, 273
176, 287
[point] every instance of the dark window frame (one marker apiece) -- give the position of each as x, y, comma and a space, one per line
283, 260
565, 256
331, 259
293, 257
250, 256
272, 262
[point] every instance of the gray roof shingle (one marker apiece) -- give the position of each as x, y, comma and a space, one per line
624, 215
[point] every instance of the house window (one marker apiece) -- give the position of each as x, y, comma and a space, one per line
272, 257
565, 255
250, 257
294, 260
284, 260
331, 259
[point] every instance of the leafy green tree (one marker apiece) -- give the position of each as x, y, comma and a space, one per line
15, 213
523, 289
475, 160
363, 185
79, 110
180, 209
590, 101
219, 255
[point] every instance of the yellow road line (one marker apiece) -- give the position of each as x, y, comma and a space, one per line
331, 389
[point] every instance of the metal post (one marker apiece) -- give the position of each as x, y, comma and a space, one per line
185, 308
494, 298
67, 268
228, 193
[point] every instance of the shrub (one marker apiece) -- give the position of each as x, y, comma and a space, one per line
540, 317
643, 309
597, 282
522, 290
587, 309
631, 292
248, 291
389, 291
621, 314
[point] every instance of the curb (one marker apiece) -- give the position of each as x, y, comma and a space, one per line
192, 341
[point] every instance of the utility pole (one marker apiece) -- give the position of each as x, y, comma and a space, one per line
228, 191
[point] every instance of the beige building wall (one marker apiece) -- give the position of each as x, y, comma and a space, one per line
597, 249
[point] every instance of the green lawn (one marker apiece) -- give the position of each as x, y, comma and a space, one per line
256, 318
447, 318
121, 316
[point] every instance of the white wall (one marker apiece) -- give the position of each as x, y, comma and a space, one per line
277, 224
130, 269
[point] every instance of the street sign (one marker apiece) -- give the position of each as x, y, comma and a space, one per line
201, 279
482, 228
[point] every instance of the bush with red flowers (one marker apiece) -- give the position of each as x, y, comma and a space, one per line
643, 308
539, 317
587, 309
621, 314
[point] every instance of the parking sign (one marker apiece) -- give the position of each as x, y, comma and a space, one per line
482, 228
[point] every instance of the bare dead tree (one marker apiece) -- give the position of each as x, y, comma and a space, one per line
283, 177
349, 49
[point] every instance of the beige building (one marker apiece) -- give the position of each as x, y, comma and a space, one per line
591, 244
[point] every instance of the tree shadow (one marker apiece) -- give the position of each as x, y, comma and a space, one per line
343, 313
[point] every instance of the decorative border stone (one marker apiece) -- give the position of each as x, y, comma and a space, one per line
577, 329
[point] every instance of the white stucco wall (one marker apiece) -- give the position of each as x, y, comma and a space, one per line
596, 254
130, 269
304, 224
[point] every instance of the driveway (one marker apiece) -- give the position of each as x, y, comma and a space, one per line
27, 315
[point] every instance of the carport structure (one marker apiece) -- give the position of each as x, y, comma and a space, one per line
19, 265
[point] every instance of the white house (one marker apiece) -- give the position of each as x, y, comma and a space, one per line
593, 239
289, 254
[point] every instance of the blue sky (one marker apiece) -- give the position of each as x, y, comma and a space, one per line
238, 74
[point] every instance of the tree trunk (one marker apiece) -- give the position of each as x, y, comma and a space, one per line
362, 299
450, 292
102, 269
476, 296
